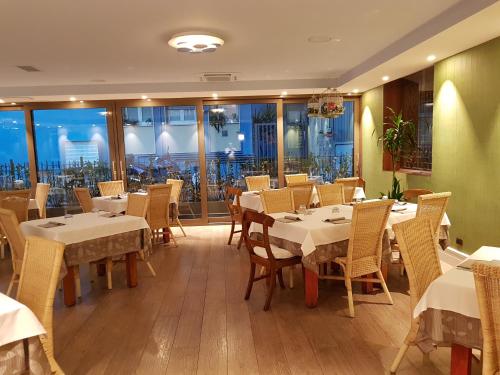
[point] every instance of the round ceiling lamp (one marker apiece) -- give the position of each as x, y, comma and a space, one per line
195, 42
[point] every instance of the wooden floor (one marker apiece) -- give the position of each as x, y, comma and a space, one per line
192, 319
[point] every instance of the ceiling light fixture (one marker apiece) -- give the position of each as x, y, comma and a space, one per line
144, 97
148, 100
72, 98
385, 78
284, 93
355, 91
81, 101
2, 101
215, 95
195, 42
13, 103
431, 58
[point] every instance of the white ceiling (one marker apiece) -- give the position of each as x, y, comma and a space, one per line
124, 43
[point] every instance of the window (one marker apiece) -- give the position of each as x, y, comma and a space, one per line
72, 150
240, 141
322, 148
161, 143
14, 164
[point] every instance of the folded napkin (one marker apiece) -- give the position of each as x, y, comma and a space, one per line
111, 214
51, 224
288, 219
398, 209
337, 220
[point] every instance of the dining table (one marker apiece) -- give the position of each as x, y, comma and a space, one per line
91, 237
319, 242
20, 347
449, 312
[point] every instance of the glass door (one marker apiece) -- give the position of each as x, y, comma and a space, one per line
72, 150
161, 142
240, 140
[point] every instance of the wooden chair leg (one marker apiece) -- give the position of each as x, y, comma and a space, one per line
348, 285
290, 276
280, 278
78, 285
172, 236
240, 241
251, 277
150, 266
11, 284
399, 358
109, 269
2, 250
401, 269
180, 226
384, 286
270, 290
232, 232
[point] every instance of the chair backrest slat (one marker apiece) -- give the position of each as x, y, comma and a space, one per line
257, 183
108, 188
232, 199
278, 200
330, 194
159, 202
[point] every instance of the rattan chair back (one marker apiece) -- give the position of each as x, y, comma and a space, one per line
41, 197
257, 183
108, 188
277, 200
18, 205
487, 279
330, 194
137, 205
433, 206
176, 189
84, 199
369, 221
266, 222
295, 178
302, 193
37, 286
412, 194
350, 185
159, 203
11, 230
25, 193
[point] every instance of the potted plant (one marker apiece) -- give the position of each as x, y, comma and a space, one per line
398, 140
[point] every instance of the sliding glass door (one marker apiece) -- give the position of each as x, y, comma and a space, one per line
72, 150
14, 160
161, 142
240, 140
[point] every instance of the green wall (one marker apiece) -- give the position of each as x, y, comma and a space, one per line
466, 144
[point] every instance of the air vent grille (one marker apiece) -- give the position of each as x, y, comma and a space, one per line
28, 68
218, 77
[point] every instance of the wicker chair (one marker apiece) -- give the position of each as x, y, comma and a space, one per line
176, 193
257, 183
364, 252
350, 185
412, 194
272, 258
330, 194
158, 211
84, 199
295, 178
25, 193
232, 199
302, 193
37, 286
278, 200
10, 227
487, 279
12, 193
108, 188
433, 206
41, 196
418, 246
18, 205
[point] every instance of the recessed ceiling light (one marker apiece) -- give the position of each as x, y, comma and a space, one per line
431, 58
215, 95
13, 103
355, 91
72, 98
195, 42
148, 100
385, 78
144, 97
81, 101
2, 101
284, 93
349, 93
322, 39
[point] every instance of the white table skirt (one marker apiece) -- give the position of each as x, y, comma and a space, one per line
17, 321
116, 205
312, 231
455, 290
83, 227
251, 200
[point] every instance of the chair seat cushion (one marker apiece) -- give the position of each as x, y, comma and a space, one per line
278, 252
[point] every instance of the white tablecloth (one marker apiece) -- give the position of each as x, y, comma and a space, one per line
33, 204
455, 290
312, 231
17, 321
83, 227
116, 205
251, 200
